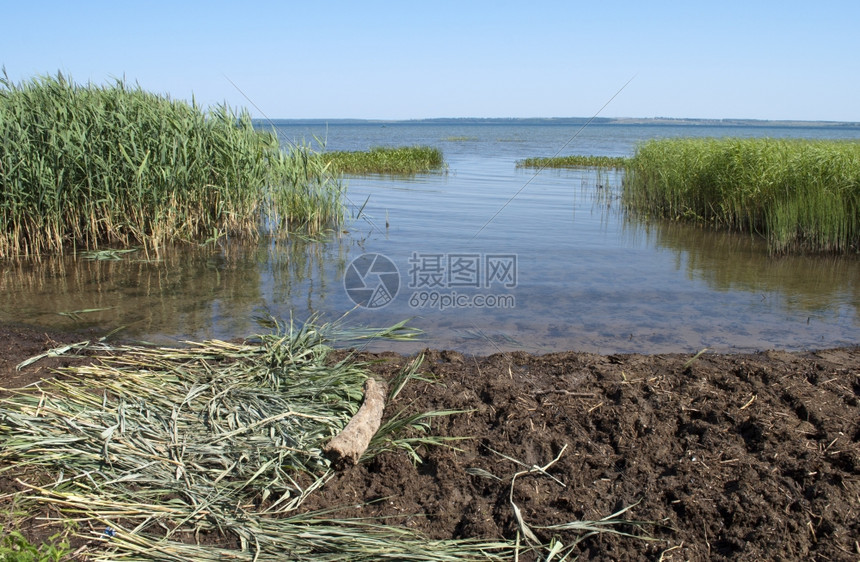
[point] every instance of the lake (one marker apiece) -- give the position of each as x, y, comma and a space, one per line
483, 258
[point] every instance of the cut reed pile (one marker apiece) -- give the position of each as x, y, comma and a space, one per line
89, 166
402, 160
152, 451
802, 195
574, 161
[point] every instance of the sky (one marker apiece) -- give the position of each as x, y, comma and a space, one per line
782, 60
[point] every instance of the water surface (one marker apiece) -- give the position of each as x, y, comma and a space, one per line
588, 277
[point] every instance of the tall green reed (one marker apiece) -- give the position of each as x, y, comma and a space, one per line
802, 195
92, 166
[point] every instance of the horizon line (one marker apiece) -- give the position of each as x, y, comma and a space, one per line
629, 120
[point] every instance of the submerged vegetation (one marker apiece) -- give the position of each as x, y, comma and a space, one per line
89, 166
403, 160
802, 195
573, 161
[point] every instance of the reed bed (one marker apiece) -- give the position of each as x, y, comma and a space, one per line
85, 167
574, 161
149, 449
403, 160
802, 195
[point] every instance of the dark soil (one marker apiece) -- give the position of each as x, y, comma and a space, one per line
732, 457
19, 343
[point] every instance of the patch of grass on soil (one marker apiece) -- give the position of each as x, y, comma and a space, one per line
210, 451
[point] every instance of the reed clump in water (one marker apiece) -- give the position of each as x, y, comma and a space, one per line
90, 166
802, 195
573, 161
401, 160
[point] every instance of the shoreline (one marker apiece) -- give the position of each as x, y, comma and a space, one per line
17, 339
726, 456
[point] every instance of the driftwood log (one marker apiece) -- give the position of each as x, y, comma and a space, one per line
346, 447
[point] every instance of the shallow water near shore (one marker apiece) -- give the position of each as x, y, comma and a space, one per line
488, 257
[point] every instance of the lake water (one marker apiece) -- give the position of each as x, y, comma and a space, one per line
485, 257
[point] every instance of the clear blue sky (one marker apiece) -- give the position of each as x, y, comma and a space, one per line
405, 60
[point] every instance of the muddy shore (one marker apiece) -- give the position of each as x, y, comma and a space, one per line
728, 457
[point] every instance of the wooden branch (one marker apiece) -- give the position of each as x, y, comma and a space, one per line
346, 447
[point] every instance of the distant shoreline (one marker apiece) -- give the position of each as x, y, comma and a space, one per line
659, 121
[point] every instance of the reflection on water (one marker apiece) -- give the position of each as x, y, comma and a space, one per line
734, 262
589, 277
300, 271
190, 293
